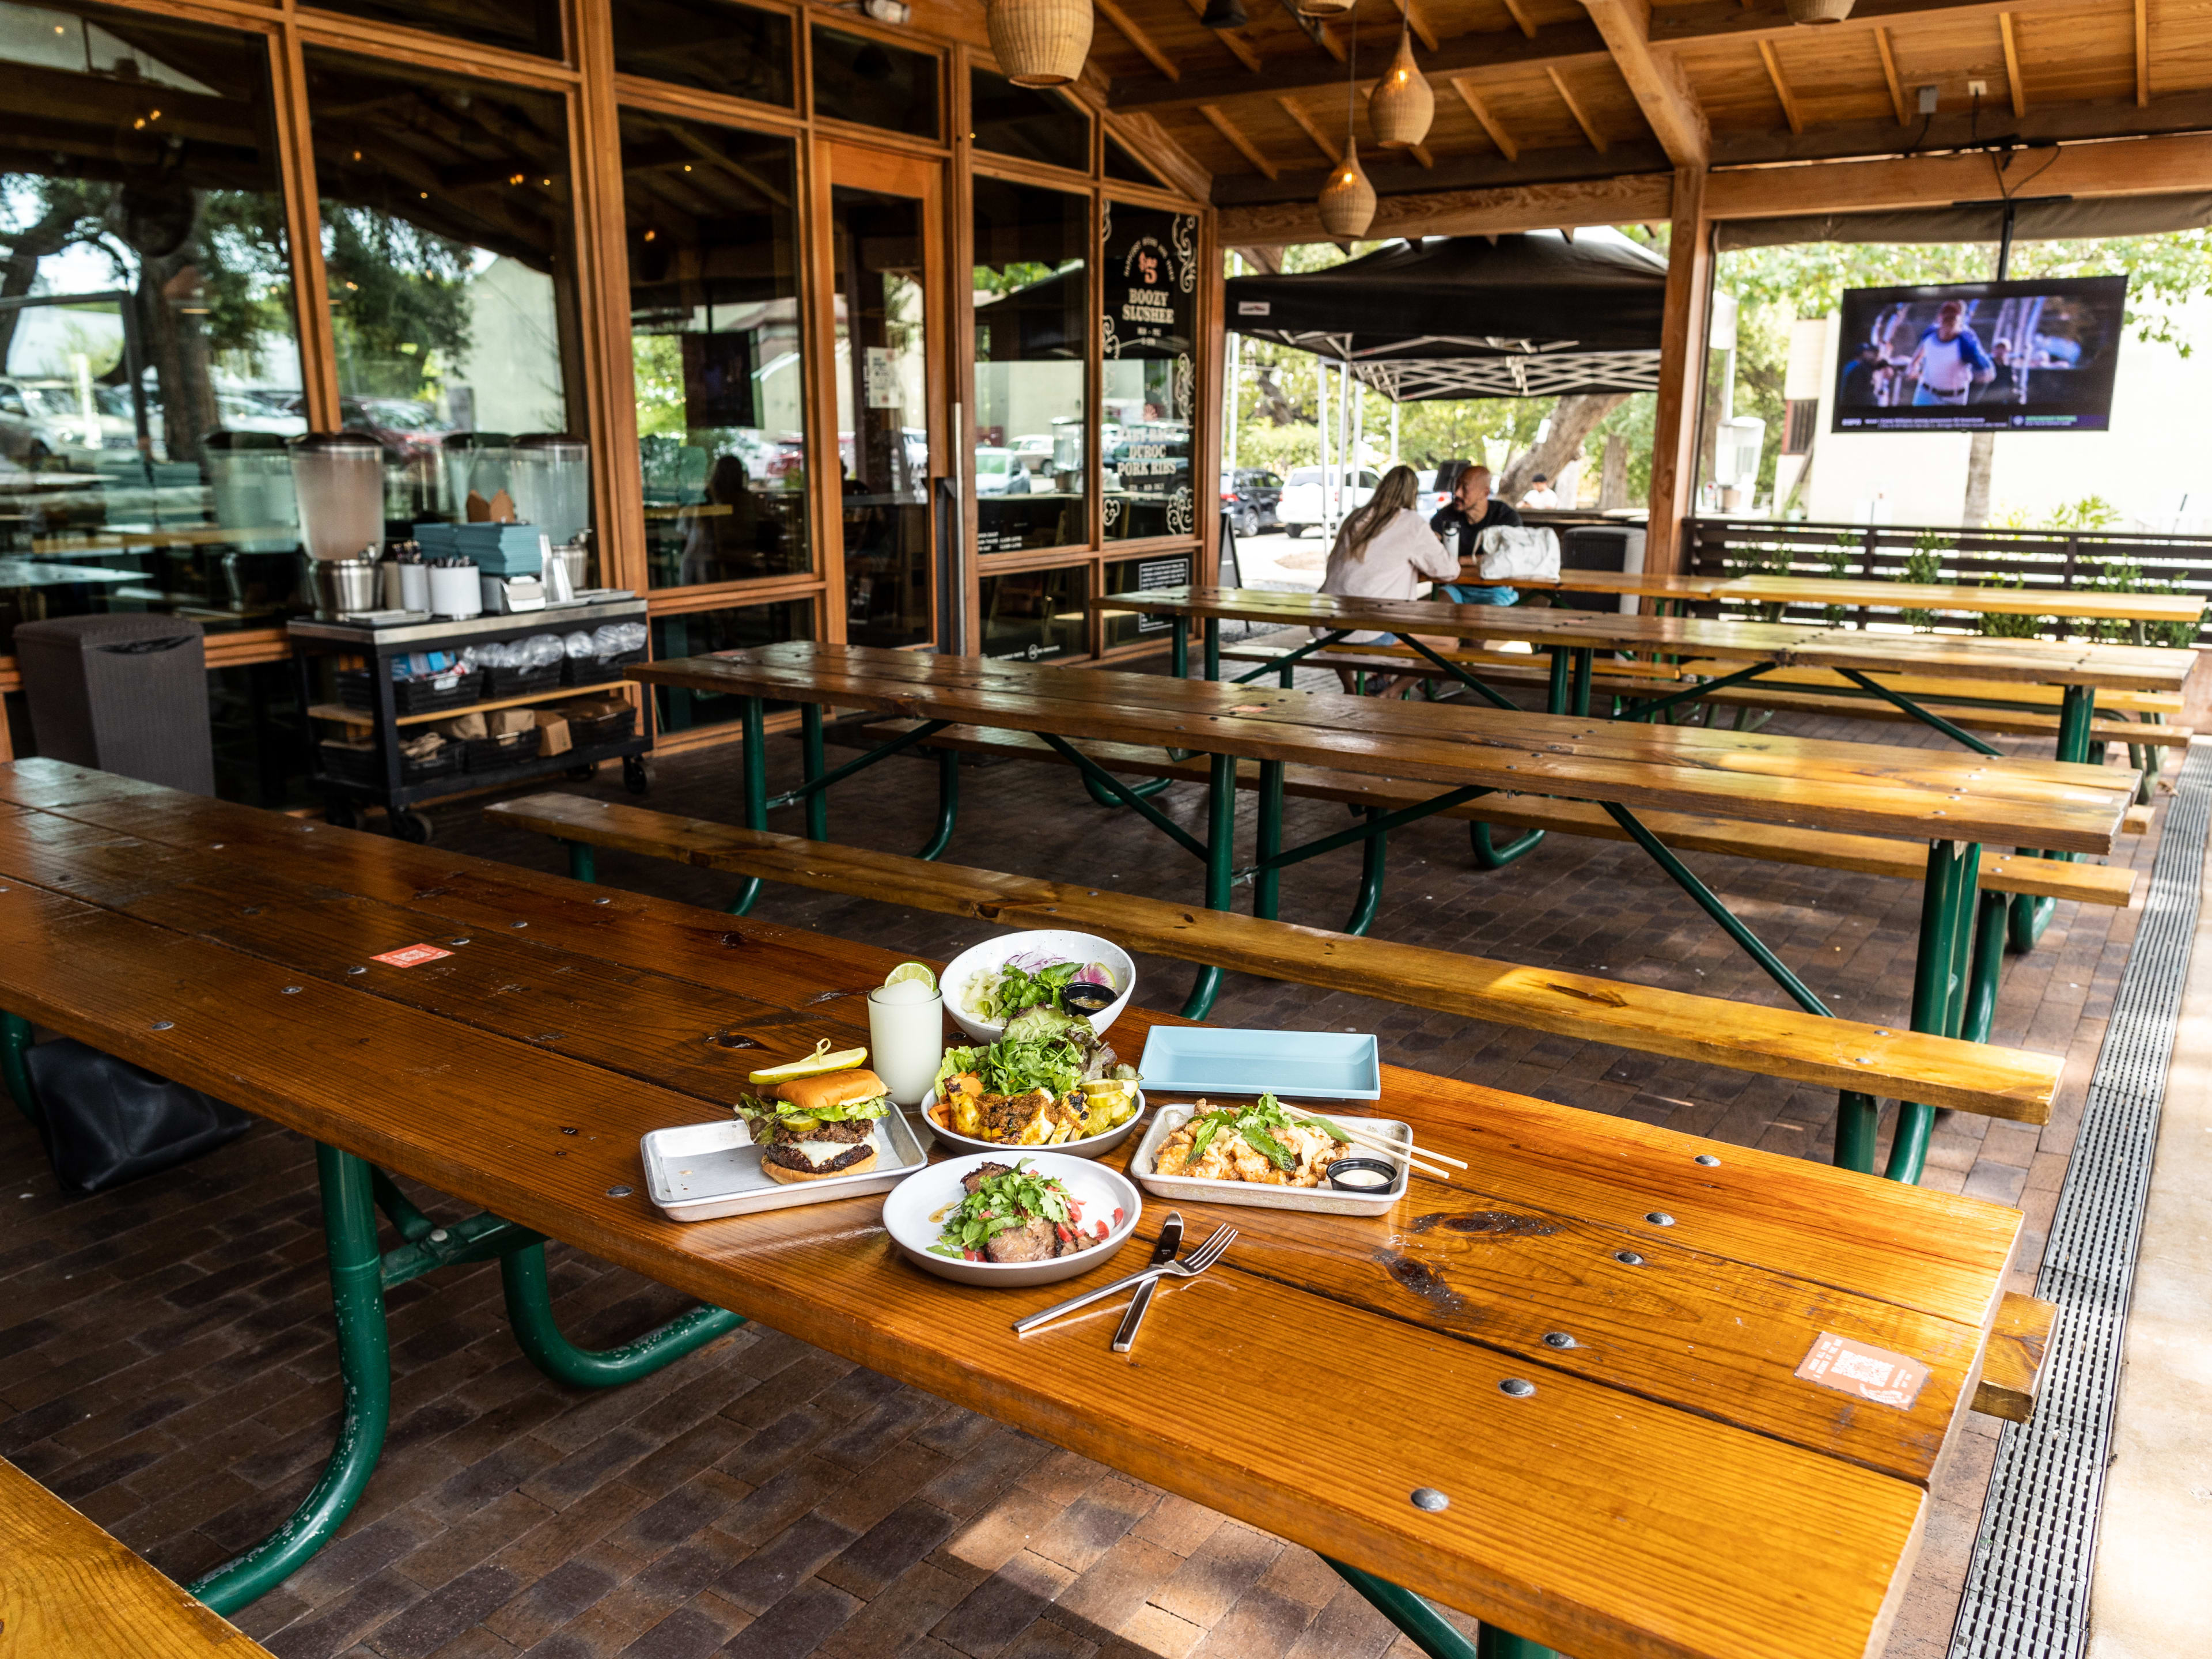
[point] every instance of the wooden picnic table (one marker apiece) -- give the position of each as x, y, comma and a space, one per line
2094, 605
1949, 802
1668, 1484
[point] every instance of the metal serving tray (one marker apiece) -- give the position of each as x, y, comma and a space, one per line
1324, 1199
1209, 1059
704, 1172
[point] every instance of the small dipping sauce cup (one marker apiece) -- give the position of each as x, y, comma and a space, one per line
1362, 1174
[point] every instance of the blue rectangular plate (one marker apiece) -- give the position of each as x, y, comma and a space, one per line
1297, 1065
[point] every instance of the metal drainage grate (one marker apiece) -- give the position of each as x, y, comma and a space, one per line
2027, 1588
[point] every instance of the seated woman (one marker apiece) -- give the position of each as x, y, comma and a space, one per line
722, 542
1384, 551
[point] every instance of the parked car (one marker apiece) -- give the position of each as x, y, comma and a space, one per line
995, 468
1249, 496
1300, 506
43, 424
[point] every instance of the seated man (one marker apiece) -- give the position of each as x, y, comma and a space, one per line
1471, 511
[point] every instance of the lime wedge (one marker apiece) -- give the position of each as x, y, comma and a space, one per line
917, 971
820, 1061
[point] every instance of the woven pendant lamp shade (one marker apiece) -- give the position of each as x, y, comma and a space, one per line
1347, 200
1323, 7
1402, 105
1040, 43
1819, 11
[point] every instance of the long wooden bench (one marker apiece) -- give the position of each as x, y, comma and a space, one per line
2111, 886
70, 1591
1838, 1053
2166, 704
2012, 1363
1775, 690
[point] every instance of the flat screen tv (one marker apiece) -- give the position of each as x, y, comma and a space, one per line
2025, 357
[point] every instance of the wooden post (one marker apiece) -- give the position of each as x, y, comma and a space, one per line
1681, 373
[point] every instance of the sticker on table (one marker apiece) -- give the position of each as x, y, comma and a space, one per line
411, 955
1850, 1367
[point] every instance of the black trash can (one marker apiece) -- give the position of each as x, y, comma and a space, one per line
125, 694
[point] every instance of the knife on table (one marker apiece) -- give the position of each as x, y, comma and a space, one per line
1163, 1253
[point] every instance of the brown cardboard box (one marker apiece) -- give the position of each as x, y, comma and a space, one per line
553, 733
504, 722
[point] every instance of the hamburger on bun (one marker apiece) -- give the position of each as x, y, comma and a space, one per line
811, 1127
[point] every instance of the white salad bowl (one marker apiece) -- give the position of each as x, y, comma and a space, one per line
1046, 942
1091, 1147
909, 1207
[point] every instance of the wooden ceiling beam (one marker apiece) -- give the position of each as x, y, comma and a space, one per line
1560, 43
2012, 62
1789, 99
1464, 213
1315, 30
2127, 166
1232, 42
1519, 13
1417, 21
2142, 53
1312, 129
1661, 89
1244, 146
1575, 108
1567, 44
1490, 124
1127, 27
1889, 74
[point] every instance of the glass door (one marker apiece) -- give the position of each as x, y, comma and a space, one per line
882, 223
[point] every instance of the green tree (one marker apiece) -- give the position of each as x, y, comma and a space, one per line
398, 294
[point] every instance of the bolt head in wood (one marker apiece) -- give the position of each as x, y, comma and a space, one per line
1708, 1160
293, 990
1559, 1340
1660, 1219
164, 1025
1519, 1387
618, 1192
1628, 1258
1429, 1498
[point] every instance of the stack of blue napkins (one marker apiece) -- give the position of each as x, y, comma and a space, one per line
496, 550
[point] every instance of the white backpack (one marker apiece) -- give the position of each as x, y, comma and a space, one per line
1518, 552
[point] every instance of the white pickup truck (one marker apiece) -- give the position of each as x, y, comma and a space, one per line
1302, 508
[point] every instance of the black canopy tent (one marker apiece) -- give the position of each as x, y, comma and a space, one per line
1533, 315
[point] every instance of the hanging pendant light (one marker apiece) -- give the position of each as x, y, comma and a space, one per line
1224, 14
1324, 7
1402, 105
1347, 200
1039, 43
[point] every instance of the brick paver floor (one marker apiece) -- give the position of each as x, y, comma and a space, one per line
167, 1362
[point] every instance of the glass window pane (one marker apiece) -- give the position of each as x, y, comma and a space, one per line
1150, 361
1125, 167
446, 231
858, 79
710, 44
882, 414
531, 26
149, 372
698, 632
715, 349
1032, 301
1035, 614
1138, 576
1037, 127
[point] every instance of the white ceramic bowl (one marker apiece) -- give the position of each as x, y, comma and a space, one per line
1061, 947
908, 1206
1094, 1146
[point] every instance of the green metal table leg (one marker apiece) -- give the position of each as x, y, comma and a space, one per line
2031, 916
1374, 854
1212, 648
1580, 708
753, 720
1988, 956
1555, 698
948, 802
1428, 1629
1267, 884
809, 746
15, 1043
1939, 990
1857, 1122
410, 1223
1488, 855
365, 1366
1179, 648
1220, 858
583, 860
530, 1310
1144, 791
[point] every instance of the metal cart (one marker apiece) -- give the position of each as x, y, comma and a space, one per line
383, 785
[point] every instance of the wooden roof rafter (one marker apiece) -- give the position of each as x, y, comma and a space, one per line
1482, 113
2012, 62
1591, 130
1662, 90
1127, 27
1787, 98
1889, 74
1243, 146
1232, 42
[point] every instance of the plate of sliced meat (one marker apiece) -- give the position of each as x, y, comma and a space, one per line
1012, 1220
